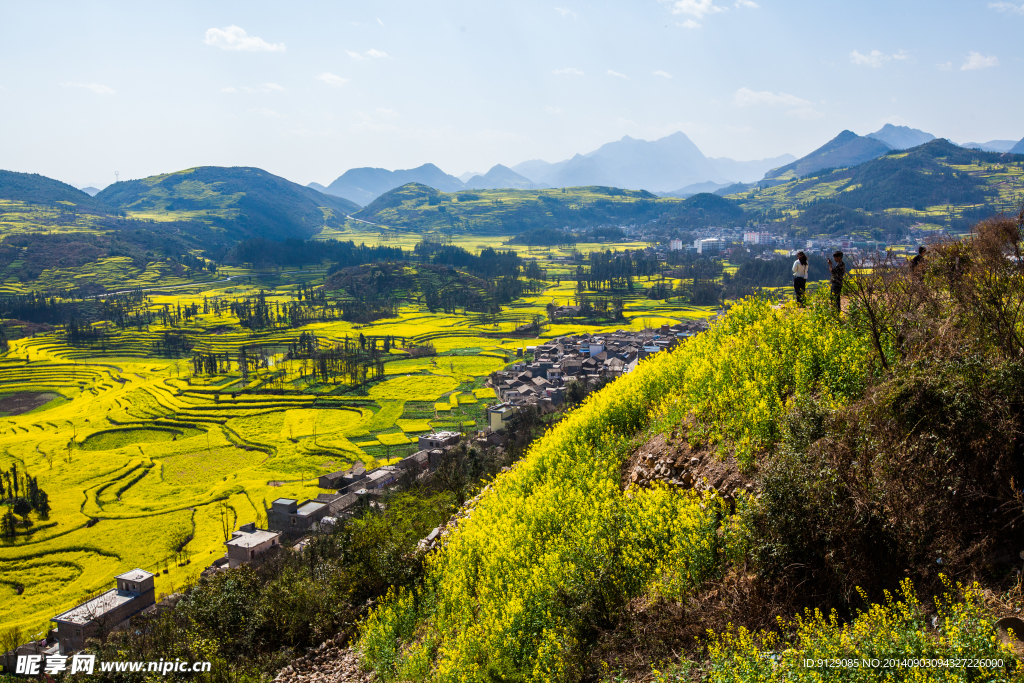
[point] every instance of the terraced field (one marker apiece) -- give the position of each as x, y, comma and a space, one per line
143, 460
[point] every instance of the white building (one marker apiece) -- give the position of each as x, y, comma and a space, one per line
711, 245
675, 245
757, 238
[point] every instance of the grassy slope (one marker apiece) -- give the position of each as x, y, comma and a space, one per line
248, 201
421, 209
508, 596
929, 184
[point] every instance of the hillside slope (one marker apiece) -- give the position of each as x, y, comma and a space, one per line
864, 446
845, 149
33, 188
937, 183
418, 208
1018, 148
248, 202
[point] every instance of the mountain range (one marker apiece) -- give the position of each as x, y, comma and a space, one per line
665, 166
670, 166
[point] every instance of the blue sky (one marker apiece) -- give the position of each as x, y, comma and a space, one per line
307, 90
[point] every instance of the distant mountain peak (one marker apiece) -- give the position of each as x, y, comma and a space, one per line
845, 149
901, 137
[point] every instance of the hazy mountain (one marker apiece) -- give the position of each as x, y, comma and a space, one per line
469, 174
33, 188
318, 187
1018, 148
846, 149
91, 191
696, 188
659, 165
901, 137
248, 202
991, 145
663, 165
501, 177
363, 185
750, 171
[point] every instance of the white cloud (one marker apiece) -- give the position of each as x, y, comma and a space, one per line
568, 71
976, 60
874, 59
235, 38
689, 23
379, 21
1006, 7
387, 113
805, 113
369, 54
269, 113
877, 58
332, 79
265, 87
663, 74
750, 4
552, 110
945, 66
565, 12
97, 88
696, 8
745, 97
617, 74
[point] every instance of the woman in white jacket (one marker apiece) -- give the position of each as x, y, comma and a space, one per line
800, 276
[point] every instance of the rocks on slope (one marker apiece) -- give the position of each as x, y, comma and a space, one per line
329, 663
678, 465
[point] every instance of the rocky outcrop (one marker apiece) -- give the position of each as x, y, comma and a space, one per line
675, 463
329, 663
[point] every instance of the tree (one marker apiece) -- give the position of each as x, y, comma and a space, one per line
43, 505
7, 524
21, 508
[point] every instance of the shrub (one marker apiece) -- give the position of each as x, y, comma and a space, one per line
896, 632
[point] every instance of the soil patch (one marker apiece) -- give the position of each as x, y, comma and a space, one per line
22, 402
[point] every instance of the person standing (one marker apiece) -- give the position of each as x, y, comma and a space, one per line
800, 276
916, 261
838, 271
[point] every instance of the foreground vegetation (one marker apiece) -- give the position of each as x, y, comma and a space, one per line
863, 433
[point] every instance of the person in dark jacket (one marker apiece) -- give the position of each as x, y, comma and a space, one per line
838, 271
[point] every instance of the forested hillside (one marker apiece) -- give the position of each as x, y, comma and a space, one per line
248, 202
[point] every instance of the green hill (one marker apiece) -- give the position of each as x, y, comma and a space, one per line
246, 202
846, 149
937, 183
418, 208
33, 188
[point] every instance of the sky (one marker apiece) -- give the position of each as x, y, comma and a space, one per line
307, 90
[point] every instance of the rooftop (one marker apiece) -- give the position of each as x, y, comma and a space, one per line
309, 508
245, 539
95, 608
135, 575
284, 501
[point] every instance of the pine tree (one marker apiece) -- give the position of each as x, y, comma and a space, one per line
7, 524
